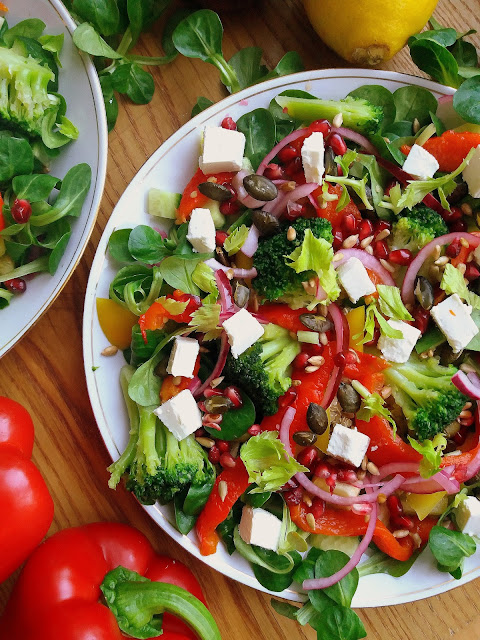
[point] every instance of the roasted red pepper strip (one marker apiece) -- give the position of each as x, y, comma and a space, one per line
156, 315
282, 315
26, 507
58, 592
169, 389
385, 448
470, 449
368, 370
329, 210
451, 148
216, 510
338, 522
192, 198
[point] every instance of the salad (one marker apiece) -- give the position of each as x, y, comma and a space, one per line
36, 208
301, 367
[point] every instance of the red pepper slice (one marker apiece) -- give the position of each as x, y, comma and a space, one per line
169, 389
330, 210
282, 315
156, 316
192, 198
383, 447
451, 148
216, 510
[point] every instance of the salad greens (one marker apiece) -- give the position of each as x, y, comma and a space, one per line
38, 208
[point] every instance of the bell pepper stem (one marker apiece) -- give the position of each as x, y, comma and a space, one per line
136, 603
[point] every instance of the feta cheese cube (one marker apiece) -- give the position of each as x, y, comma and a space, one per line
354, 279
453, 318
399, 349
260, 527
467, 516
313, 157
222, 150
242, 331
420, 163
180, 414
201, 231
183, 357
471, 174
348, 445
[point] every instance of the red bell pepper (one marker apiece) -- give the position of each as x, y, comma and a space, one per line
156, 316
383, 447
451, 148
169, 389
57, 596
367, 370
217, 509
282, 315
192, 198
26, 506
339, 522
329, 211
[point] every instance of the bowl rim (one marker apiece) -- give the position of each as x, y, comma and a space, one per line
98, 185
360, 600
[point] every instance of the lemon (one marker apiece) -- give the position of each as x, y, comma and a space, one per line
368, 32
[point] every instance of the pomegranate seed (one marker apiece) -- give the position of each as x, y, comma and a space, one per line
337, 144
322, 470
199, 433
212, 425
301, 360
454, 214
460, 437
362, 508
403, 522
229, 208
16, 285
402, 257
347, 475
365, 229
201, 406
223, 445
421, 318
339, 170
209, 392
220, 237
340, 360
293, 214
351, 357
254, 430
458, 225
308, 457
21, 211
381, 225
293, 167
318, 507
233, 394
349, 224
323, 126
394, 506
294, 496
338, 238
214, 454
287, 398
229, 123
288, 153
380, 249
453, 249
471, 272
227, 460
331, 481
273, 172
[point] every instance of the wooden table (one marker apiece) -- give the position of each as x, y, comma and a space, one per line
45, 370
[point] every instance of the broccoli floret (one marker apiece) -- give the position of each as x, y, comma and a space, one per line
416, 228
158, 465
26, 106
426, 394
275, 278
263, 370
358, 114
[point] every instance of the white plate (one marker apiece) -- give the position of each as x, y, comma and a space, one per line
80, 86
170, 168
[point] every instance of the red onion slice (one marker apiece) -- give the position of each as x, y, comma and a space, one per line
368, 261
283, 143
251, 243
408, 285
354, 136
302, 191
236, 273
469, 384
225, 290
342, 335
218, 368
323, 583
441, 481
242, 195
393, 468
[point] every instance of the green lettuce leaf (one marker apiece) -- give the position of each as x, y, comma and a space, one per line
203, 277
453, 282
372, 405
206, 319
174, 307
316, 254
236, 240
390, 303
267, 462
431, 450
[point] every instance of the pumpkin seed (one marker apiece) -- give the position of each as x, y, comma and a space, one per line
316, 322
424, 292
304, 438
215, 191
260, 188
317, 419
348, 398
266, 222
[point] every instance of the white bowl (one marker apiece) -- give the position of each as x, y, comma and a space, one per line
80, 86
170, 167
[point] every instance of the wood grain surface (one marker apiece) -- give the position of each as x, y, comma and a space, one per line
45, 370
